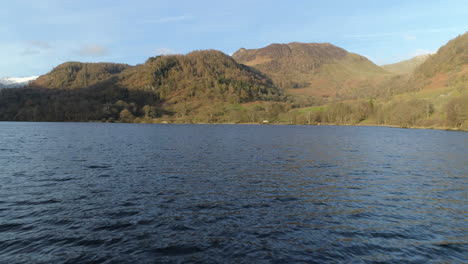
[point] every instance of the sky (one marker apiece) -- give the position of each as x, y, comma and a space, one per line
37, 35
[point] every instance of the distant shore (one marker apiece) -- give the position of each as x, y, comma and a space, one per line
321, 124
268, 124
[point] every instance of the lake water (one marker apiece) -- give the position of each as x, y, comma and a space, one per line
131, 193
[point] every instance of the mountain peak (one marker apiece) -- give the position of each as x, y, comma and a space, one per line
319, 69
299, 50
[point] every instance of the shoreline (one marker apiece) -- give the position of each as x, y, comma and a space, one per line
284, 124
258, 124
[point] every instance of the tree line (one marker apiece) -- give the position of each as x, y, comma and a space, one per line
118, 104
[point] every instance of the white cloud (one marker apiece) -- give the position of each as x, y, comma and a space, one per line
164, 51
93, 50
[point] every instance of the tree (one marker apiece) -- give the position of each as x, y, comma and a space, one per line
126, 116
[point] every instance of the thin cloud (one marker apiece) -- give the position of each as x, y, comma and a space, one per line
40, 44
93, 50
35, 47
29, 52
171, 19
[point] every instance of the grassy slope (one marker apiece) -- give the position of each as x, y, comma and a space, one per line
438, 83
406, 66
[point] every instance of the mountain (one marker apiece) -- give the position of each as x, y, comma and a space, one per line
435, 95
211, 87
196, 87
317, 69
13, 82
199, 74
448, 67
71, 75
406, 66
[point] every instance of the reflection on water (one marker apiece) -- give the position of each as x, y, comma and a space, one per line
125, 193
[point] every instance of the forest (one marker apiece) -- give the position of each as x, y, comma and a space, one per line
113, 104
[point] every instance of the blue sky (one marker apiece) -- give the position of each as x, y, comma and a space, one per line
37, 35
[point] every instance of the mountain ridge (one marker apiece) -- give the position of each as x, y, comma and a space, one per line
448, 67
295, 83
406, 66
71, 75
209, 72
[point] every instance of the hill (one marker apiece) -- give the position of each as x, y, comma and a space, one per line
197, 85
202, 75
206, 74
72, 75
434, 95
406, 66
209, 86
316, 69
448, 67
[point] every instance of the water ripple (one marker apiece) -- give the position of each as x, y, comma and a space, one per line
117, 193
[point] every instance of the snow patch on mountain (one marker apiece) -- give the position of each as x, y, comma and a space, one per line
13, 82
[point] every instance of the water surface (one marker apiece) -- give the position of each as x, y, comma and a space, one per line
129, 193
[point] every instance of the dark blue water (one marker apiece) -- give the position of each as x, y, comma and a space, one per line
128, 193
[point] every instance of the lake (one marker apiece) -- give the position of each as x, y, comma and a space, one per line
149, 193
